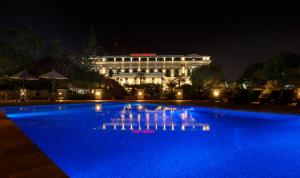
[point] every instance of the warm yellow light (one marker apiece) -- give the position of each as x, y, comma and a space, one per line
140, 93
179, 93
98, 93
216, 93
60, 93
140, 107
22, 93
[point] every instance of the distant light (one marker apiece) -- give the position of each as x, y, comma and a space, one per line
98, 107
216, 93
179, 93
98, 93
140, 93
205, 127
182, 127
60, 93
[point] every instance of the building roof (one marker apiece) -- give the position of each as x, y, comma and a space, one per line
152, 56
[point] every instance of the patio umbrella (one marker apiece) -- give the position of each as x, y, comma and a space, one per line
53, 75
24, 75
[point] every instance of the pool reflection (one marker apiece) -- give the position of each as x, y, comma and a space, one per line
142, 117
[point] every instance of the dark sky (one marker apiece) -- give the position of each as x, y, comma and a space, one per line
235, 35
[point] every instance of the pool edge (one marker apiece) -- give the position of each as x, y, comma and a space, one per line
20, 157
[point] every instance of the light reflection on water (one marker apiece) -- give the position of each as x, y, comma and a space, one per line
141, 117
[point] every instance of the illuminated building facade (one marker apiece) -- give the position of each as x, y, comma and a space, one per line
140, 68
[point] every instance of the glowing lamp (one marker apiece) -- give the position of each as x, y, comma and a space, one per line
140, 93
60, 93
216, 93
97, 93
179, 93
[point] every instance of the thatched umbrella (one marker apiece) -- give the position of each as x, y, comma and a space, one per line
53, 75
24, 75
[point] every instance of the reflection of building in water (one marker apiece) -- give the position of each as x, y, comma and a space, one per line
158, 118
98, 107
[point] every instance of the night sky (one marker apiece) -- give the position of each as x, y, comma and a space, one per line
234, 35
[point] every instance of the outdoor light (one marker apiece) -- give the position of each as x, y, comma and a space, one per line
98, 93
140, 107
216, 93
60, 93
140, 93
179, 93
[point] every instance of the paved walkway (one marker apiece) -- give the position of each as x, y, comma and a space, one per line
19, 157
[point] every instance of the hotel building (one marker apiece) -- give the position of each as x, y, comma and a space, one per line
141, 68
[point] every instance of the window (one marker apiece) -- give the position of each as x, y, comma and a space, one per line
168, 72
176, 72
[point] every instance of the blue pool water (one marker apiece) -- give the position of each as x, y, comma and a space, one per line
149, 140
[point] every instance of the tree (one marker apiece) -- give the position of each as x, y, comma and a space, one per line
252, 73
207, 77
171, 85
89, 48
54, 49
19, 46
282, 67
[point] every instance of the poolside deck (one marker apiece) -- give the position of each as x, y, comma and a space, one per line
19, 157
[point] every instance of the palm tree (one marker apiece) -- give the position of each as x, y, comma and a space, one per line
171, 85
178, 78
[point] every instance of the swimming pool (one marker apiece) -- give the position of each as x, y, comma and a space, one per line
151, 140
